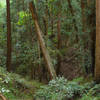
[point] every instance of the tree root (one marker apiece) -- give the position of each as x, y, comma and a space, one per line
2, 97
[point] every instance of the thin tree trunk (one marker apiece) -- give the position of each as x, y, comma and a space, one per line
97, 60
83, 15
52, 25
74, 21
41, 42
88, 2
59, 37
59, 41
85, 44
8, 62
92, 34
45, 20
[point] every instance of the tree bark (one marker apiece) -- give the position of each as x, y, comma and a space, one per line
8, 62
97, 56
2, 97
59, 37
41, 42
59, 44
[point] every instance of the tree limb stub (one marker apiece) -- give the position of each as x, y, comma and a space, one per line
41, 42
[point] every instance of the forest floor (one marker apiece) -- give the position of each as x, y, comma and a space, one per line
15, 87
24, 89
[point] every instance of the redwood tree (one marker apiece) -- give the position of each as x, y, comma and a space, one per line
59, 36
8, 62
97, 61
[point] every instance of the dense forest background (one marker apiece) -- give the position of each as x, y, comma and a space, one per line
45, 39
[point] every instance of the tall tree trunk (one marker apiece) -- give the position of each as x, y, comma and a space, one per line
92, 34
59, 43
83, 15
59, 36
84, 30
97, 60
88, 2
45, 18
74, 21
41, 42
8, 62
52, 25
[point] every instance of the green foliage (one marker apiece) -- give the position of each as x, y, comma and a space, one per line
13, 85
59, 88
62, 89
6, 84
89, 98
93, 93
26, 53
23, 17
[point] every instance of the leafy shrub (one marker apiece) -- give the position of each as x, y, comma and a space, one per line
59, 89
93, 93
89, 98
13, 85
62, 89
5, 83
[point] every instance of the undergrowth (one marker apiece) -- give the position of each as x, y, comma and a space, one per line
15, 87
62, 89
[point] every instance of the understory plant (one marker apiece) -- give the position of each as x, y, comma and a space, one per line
14, 86
62, 89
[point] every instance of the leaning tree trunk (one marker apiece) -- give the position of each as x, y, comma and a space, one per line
8, 62
41, 41
97, 60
